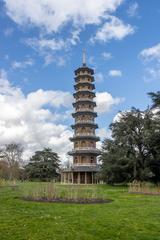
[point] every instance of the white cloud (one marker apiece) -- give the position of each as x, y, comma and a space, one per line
22, 64
32, 119
52, 15
37, 119
152, 73
106, 56
152, 53
105, 102
117, 117
99, 77
115, 73
104, 133
133, 10
46, 44
114, 28
58, 60
151, 59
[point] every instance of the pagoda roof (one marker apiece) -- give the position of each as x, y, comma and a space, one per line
84, 113
84, 101
89, 151
84, 92
74, 168
87, 124
84, 76
84, 84
83, 69
79, 137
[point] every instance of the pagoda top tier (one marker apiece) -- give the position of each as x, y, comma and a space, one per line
84, 69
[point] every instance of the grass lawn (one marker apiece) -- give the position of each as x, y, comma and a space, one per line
128, 217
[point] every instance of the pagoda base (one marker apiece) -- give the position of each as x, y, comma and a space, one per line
70, 177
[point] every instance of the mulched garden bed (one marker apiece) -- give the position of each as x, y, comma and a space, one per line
63, 200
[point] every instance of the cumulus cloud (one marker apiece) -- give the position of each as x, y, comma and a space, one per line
104, 133
105, 101
151, 59
46, 44
152, 53
152, 73
115, 73
22, 64
52, 15
106, 56
114, 28
34, 119
37, 119
133, 9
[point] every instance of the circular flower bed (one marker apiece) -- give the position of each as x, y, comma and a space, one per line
66, 200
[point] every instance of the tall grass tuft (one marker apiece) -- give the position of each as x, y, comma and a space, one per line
144, 188
7, 183
71, 193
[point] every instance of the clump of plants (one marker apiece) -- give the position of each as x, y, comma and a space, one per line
144, 188
51, 192
7, 183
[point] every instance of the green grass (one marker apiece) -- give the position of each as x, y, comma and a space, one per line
128, 217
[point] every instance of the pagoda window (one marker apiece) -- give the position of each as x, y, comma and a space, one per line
92, 144
92, 159
83, 143
82, 159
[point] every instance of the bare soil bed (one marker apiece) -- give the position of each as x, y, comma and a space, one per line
63, 200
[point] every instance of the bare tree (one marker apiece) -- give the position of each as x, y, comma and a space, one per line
12, 154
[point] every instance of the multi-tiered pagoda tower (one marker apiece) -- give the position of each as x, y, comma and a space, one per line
84, 139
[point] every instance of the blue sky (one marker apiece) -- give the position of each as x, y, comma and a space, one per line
41, 45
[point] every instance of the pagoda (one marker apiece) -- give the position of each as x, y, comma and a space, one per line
84, 168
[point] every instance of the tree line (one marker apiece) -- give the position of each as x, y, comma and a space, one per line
43, 165
133, 152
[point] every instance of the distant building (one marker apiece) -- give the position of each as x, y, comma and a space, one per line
84, 153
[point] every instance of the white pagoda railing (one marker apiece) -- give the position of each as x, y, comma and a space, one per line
85, 148
84, 109
85, 164
84, 121
84, 134
83, 99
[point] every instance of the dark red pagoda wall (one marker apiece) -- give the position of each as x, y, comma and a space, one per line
84, 117
85, 106
84, 79
84, 143
84, 95
85, 130
84, 88
84, 159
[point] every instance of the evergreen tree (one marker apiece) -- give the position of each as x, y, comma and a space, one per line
43, 166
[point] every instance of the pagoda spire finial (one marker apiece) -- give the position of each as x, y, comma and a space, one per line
84, 57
